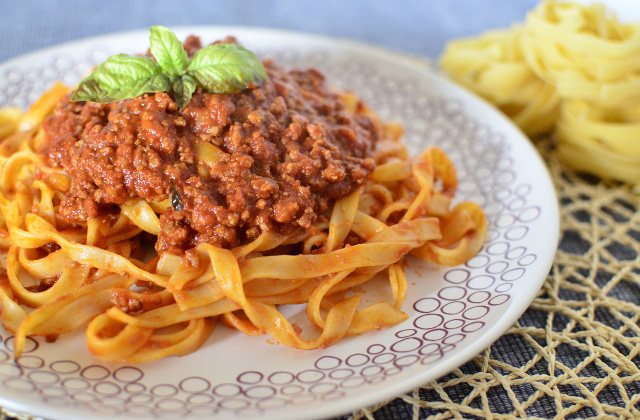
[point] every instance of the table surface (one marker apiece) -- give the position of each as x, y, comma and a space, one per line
574, 353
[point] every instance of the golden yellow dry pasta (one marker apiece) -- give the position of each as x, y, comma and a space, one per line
572, 67
584, 52
494, 66
602, 141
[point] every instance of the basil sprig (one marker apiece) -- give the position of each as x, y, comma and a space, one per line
219, 68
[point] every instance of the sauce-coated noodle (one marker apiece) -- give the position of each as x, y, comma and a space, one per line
60, 277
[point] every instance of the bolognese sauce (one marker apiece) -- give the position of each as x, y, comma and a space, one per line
285, 151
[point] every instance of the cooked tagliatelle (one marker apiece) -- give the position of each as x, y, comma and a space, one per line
60, 277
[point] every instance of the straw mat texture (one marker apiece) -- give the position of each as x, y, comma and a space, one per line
574, 352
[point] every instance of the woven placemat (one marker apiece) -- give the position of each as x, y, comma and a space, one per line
574, 352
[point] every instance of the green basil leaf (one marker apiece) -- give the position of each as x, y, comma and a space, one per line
183, 88
122, 77
122, 69
226, 68
219, 68
87, 90
168, 51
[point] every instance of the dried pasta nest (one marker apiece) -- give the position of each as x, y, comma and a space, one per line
494, 66
599, 140
571, 68
585, 52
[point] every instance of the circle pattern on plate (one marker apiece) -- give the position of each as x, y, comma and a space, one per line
441, 322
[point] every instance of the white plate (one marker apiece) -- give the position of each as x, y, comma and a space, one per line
454, 312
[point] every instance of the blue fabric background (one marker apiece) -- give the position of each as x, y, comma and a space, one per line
413, 26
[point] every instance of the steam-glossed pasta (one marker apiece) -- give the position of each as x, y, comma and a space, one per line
284, 193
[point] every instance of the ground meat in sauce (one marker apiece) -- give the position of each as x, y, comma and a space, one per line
290, 150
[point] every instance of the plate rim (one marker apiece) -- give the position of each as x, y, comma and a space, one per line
426, 69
